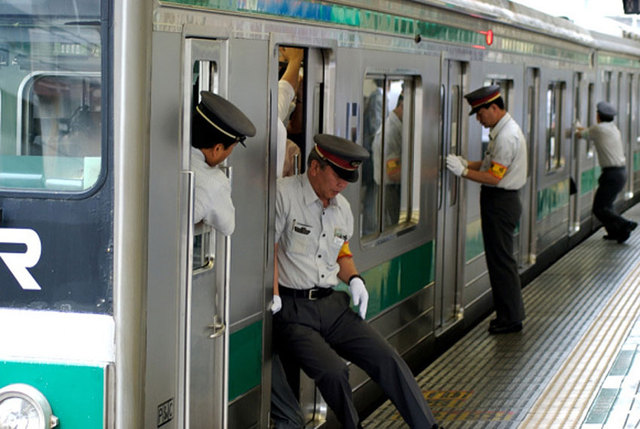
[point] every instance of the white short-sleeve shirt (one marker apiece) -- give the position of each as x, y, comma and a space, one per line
212, 203
309, 236
507, 154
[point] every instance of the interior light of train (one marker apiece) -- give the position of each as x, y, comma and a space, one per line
24, 406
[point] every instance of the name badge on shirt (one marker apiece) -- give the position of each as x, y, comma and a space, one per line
301, 228
339, 236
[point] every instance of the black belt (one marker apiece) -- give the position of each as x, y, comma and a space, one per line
310, 294
496, 190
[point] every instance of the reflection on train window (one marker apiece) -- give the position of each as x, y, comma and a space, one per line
388, 200
555, 92
59, 134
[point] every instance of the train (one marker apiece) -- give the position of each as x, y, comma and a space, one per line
118, 312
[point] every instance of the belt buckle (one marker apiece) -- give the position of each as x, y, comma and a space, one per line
311, 295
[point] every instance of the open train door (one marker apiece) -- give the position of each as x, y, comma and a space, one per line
205, 257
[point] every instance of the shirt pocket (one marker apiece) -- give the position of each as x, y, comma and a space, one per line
336, 243
301, 239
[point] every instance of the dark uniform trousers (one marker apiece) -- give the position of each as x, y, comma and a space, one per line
610, 183
317, 334
500, 210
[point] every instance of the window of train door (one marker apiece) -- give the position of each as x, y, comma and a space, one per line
554, 102
505, 90
389, 200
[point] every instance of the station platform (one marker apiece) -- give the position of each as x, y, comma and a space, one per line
576, 363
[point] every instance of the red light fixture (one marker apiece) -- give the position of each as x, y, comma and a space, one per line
488, 36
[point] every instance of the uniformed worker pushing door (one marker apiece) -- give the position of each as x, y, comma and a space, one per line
608, 141
502, 172
314, 327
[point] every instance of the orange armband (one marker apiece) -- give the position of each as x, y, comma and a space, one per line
345, 251
497, 170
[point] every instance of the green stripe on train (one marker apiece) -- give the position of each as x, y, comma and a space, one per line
552, 198
397, 279
75, 392
388, 284
245, 360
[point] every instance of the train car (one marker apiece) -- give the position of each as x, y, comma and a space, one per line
118, 312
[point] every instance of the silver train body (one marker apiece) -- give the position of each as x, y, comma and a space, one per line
185, 341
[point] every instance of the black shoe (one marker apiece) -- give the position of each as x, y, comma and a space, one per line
626, 232
494, 322
624, 235
609, 237
505, 328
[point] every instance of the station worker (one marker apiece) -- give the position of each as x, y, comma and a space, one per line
608, 141
314, 326
217, 126
502, 172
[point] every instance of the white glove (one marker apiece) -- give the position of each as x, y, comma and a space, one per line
359, 295
463, 161
455, 165
276, 304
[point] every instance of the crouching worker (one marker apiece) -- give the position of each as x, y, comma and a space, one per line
314, 327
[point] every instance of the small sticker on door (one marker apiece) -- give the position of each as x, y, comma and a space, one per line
165, 412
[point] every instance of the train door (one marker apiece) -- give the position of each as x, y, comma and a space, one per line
575, 157
449, 280
301, 100
528, 196
206, 260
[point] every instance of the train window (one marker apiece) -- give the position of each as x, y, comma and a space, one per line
51, 124
505, 90
607, 77
388, 198
205, 77
555, 92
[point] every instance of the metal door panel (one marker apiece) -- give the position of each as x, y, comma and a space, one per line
449, 243
205, 331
